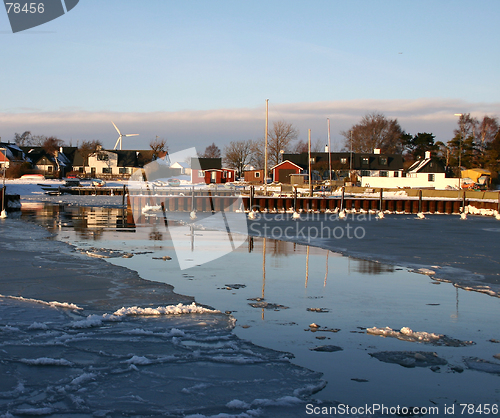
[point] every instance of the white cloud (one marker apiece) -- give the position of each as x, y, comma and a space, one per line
200, 128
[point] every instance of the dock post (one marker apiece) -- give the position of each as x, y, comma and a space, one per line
498, 204
123, 196
295, 199
420, 201
192, 200
342, 199
381, 200
252, 196
463, 201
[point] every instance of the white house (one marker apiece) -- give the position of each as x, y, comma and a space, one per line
182, 166
427, 173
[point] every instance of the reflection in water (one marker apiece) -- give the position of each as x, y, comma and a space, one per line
370, 267
359, 294
91, 222
88, 222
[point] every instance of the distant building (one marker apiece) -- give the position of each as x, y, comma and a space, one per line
209, 170
57, 164
427, 172
254, 176
112, 163
374, 164
184, 167
10, 154
282, 171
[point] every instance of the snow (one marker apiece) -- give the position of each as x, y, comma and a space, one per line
407, 334
165, 310
46, 361
54, 304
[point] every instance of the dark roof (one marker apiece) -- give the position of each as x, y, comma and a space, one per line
13, 153
206, 163
375, 161
428, 165
126, 158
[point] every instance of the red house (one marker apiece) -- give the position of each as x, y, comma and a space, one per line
218, 176
209, 170
282, 171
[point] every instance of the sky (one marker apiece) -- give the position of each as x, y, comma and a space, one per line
199, 71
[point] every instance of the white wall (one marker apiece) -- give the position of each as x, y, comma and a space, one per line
112, 162
416, 181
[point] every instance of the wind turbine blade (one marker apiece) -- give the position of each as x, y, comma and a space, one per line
117, 130
117, 141
131, 135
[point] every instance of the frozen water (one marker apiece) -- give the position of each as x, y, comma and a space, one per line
343, 295
140, 365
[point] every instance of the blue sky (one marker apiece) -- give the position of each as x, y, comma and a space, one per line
199, 71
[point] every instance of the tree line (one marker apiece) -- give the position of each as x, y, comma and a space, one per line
475, 144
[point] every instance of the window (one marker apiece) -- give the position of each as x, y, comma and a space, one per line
343, 160
123, 170
92, 170
365, 173
430, 177
229, 174
201, 173
365, 160
80, 169
102, 157
49, 168
403, 174
312, 160
396, 174
106, 170
383, 160
257, 174
383, 174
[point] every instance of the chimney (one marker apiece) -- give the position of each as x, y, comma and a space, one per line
326, 148
376, 151
427, 154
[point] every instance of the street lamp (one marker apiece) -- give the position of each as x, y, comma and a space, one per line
460, 115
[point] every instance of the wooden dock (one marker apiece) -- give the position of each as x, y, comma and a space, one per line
319, 204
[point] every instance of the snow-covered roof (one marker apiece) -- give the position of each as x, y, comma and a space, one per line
287, 161
418, 165
180, 164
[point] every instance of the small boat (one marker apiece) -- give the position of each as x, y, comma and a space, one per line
98, 183
174, 182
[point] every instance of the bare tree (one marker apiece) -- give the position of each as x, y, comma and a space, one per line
280, 138
238, 154
158, 145
52, 144
375, 131
88, 148
488, 128
212, 151
303, 146
24, 139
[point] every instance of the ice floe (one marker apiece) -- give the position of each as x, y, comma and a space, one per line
165, 310
407, 334
410, 358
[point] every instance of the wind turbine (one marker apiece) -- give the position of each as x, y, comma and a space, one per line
119, 140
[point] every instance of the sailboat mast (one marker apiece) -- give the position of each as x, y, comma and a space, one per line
329, 156
265, 152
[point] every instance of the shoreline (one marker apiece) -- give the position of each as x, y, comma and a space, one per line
463, 276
